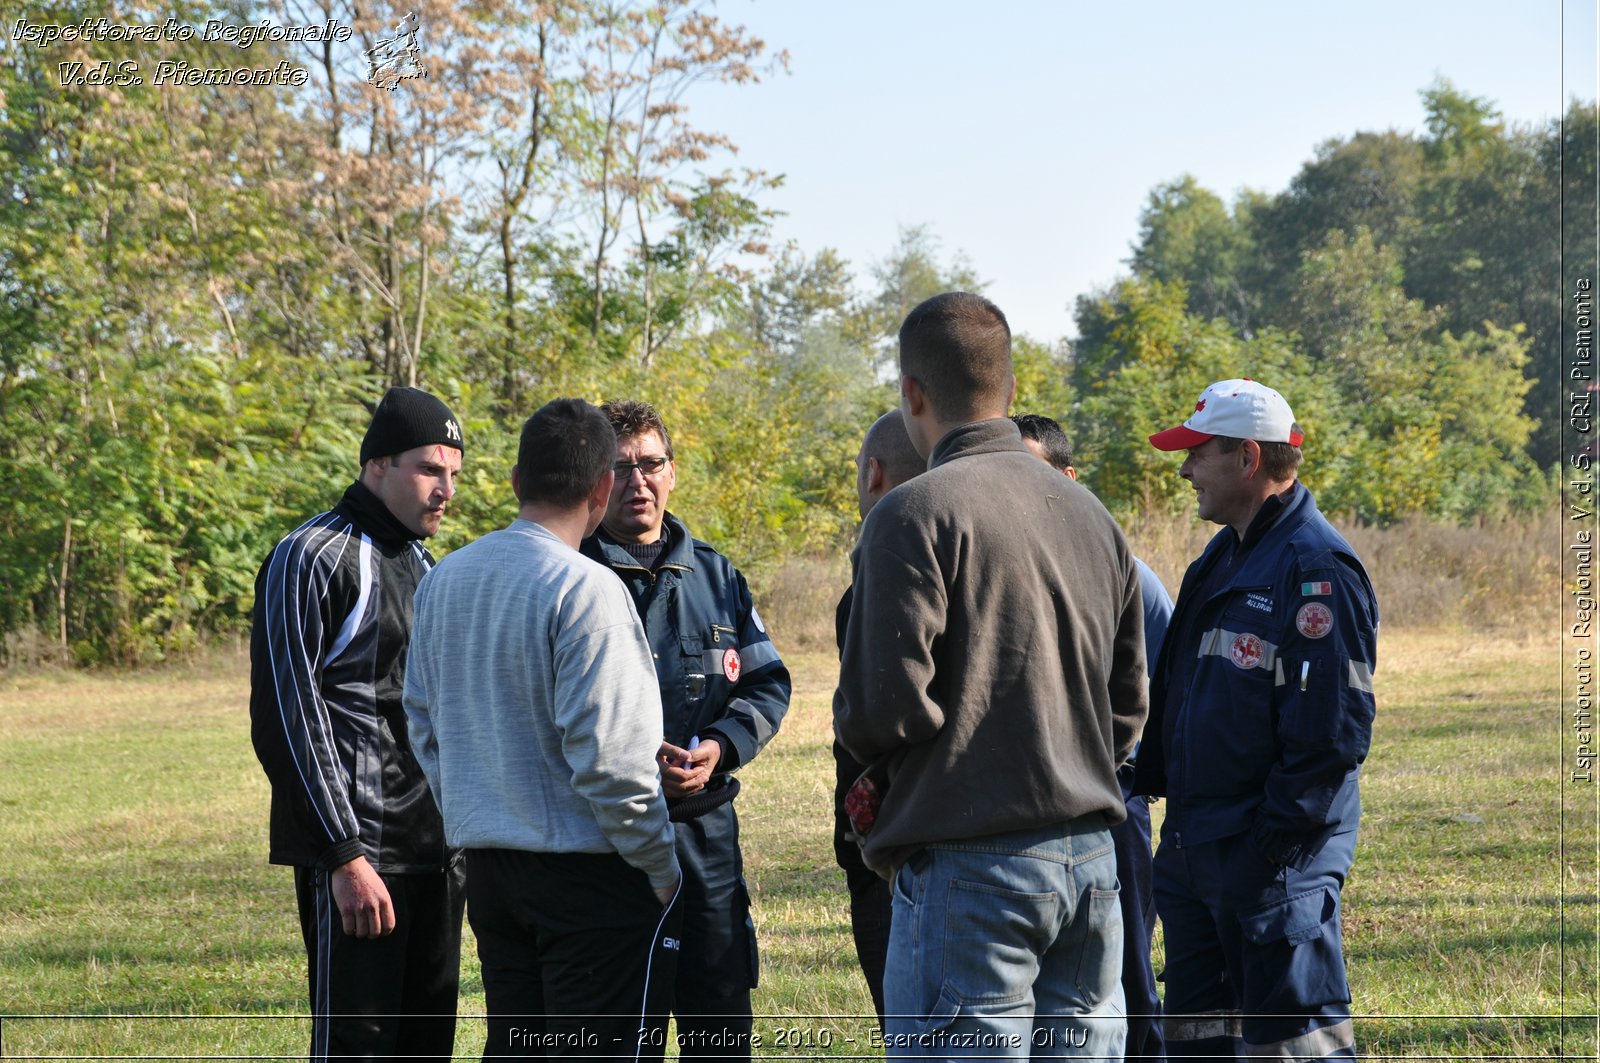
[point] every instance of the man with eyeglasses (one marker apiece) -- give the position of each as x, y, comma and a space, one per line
724, 692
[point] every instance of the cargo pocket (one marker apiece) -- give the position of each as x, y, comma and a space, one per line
1293, 920
695, 679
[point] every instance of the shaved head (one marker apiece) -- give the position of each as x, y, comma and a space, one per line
887, 460
888, 442
958, 347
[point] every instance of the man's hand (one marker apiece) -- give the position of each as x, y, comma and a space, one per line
686, 771
666, 893
363, 900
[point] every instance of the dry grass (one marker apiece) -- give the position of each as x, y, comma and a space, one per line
797, 600
1496, 575
137, 884
1467, 934
1493, 576
135, 881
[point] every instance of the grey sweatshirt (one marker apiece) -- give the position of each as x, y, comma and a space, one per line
995, 648
532, 703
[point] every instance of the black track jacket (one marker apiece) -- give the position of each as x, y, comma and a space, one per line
327, 665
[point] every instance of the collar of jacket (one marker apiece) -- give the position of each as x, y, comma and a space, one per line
374, 518
1277, 519
997, 435
679, 554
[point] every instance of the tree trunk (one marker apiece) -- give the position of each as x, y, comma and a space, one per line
61, 587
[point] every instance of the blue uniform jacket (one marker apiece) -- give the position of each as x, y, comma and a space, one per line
1276, 717
720, 675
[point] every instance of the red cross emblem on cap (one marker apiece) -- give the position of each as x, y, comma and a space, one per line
1199, 405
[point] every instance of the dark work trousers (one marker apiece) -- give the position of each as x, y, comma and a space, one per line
1255, 965
578, 955
1138, 903
719, 966
392, 997
870, 907
869, 895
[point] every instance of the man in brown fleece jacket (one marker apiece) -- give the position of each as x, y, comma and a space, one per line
995, 651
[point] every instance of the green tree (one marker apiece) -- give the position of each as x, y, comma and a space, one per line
912, 272
1437, 422
144, 258
1370, 181
1042, 377
1187, 235
1152, 359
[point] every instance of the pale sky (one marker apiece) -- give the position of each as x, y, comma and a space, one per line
1029, 134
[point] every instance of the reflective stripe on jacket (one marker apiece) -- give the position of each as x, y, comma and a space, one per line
1277, 716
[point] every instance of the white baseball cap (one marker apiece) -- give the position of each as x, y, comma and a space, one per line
1239, 408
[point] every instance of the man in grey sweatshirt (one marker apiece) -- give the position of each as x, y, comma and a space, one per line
533, 709
994, 656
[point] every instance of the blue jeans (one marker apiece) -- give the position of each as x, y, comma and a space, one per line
1008, 946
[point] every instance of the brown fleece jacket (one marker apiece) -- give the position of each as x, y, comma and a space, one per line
995, 648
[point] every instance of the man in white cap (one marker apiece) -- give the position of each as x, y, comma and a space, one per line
1261, 714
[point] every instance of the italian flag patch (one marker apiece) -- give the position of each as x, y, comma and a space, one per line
1311, 590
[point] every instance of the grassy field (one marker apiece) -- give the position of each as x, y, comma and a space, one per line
138, 916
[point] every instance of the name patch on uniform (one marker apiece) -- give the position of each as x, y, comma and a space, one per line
1314, 619
1311, 590
1258, 601
1246, 651
730, 665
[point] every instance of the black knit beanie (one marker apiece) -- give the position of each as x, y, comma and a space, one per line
408, 418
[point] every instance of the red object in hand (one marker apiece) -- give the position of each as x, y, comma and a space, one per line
861, 803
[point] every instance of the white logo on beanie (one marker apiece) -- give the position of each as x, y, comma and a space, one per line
452, 431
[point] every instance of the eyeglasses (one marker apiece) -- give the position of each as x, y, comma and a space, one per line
648, 466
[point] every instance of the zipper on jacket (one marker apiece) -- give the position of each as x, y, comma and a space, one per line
651, 576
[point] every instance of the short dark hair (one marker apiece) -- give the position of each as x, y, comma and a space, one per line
1280, 461
1046, 432
958, 347
565, 449
631, 417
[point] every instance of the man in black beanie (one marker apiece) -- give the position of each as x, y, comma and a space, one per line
380, 894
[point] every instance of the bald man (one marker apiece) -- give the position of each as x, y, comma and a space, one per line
886, 460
